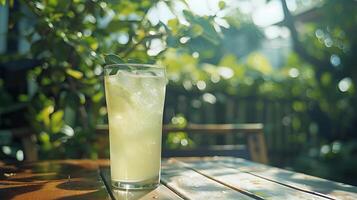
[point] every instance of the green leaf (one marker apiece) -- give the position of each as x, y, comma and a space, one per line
188, 15
202, 27
173, 24
74, 73
57, 121
3, 3
82, 98
196, 30
53, 2
44, 137
97, 97
44, 115
222, 5
91, 42
112, 59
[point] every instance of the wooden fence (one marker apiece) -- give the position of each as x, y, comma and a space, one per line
286, 131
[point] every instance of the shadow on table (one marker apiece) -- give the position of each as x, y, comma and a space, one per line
86, 196
57, 176
82, 184
10, 193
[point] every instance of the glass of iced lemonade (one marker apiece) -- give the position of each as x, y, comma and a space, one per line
135, 96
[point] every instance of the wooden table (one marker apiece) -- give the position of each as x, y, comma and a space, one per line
181, 178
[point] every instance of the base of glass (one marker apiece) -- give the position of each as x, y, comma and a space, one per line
140, 185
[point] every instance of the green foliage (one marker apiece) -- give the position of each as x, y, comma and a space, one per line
73, 40
4, 2
68, 100
113, 59
179, 140
70, 39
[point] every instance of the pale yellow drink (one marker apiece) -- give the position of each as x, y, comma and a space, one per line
135, 101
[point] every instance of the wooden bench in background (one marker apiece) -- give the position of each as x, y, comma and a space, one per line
253, 133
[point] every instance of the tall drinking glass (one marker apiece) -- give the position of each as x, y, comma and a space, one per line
135, 96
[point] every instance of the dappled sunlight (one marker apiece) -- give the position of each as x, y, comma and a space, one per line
273, 81
67, 179
189, 183
287, 64
309, 183
234, 177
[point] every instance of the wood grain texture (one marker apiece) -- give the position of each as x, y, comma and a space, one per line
243, 181
323, 187
182, 178
159, 193
192, 185
257, 148
69, 179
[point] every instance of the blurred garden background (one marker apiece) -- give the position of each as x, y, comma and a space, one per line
290, 64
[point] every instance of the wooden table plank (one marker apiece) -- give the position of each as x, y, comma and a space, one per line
192, 185
234, 178
182, 178
323, 187
70, 179
159, 193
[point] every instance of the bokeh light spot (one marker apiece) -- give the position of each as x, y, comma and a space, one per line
335, 60
201, 85
345, 84
209, 98
293, 72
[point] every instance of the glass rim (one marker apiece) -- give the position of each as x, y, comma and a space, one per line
118, 65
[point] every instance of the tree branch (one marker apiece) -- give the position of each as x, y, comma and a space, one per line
298, 46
